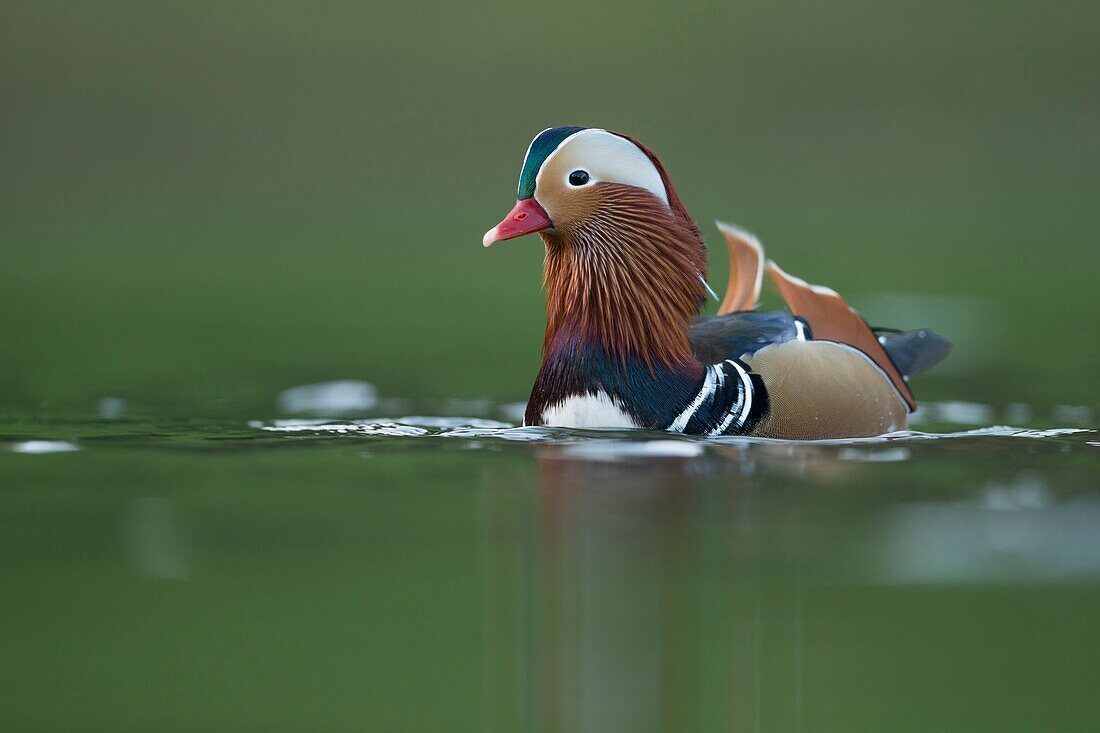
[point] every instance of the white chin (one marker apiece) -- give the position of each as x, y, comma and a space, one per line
587, 411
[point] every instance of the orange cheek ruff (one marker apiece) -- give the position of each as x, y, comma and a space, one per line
626, 277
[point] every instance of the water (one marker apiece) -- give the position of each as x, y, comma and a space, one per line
460, 573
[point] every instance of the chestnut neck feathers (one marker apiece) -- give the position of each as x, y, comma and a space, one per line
625, 278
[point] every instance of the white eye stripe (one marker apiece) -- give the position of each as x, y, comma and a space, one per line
606, 157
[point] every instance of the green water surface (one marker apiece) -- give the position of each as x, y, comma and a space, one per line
457, 574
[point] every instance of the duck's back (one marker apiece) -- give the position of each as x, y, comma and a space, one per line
823, 389
826, 372
815, 389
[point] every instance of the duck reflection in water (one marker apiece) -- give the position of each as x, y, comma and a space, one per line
642, 604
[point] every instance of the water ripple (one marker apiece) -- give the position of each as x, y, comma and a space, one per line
486, 431
640, 441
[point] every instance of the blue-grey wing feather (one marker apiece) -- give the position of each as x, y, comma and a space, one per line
715, 338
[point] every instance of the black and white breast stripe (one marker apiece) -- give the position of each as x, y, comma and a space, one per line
731, 401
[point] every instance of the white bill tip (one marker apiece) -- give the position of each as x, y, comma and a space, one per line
489, 238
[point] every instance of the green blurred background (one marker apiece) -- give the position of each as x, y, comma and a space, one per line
203, 203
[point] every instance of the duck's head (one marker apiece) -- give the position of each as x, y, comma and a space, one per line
570, 175
624, 260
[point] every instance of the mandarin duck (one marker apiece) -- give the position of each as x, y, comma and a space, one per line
625, 279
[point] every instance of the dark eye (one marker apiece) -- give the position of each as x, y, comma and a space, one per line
578, 178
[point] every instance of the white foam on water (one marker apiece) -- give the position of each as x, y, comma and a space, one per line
1049, 432
350, 428
519, 435
43, 447
998, 431
474, 427
295, 422
447, 423
878, 449
329, 398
